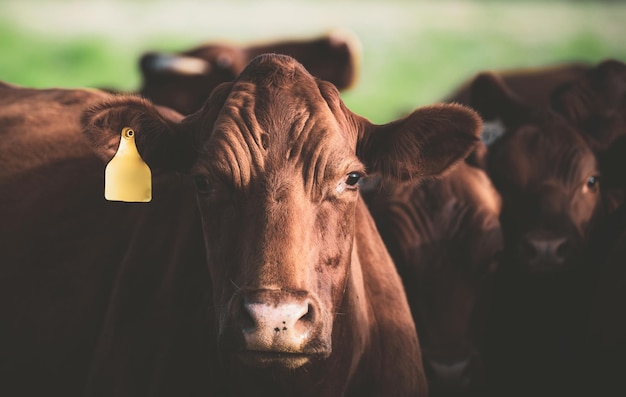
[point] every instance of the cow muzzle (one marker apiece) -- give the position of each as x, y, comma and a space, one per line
278, 328
545, 252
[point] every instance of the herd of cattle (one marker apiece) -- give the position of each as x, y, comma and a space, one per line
475, 247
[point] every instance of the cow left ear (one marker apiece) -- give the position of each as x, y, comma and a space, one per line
425, 143
157, 133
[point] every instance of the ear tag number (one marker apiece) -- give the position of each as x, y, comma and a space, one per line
127, 177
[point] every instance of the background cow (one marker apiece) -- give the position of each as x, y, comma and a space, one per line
184, 80
275, 184
444, 236
596, 104
548, 176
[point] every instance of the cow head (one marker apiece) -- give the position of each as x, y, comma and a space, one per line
547, 175
277, 157
184, 80
445, 238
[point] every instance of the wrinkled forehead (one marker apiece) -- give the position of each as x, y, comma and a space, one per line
275, 115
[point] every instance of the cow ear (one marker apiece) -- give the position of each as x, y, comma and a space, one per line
494, 100
158, 135
425, 143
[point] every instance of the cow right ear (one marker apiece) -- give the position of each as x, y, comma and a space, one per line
426, 143
159, 139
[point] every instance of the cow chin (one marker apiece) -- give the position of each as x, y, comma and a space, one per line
278, 360
282, 357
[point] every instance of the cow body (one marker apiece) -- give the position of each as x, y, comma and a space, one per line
184, 80
275, 281
445, 238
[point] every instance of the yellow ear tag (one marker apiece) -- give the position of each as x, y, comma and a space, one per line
127, 177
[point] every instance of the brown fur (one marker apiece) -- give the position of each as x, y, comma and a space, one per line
32, 135
444, 236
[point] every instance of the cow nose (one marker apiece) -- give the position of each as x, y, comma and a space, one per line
449, 374
277, 321
544, 251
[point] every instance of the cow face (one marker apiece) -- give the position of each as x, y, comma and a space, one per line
548, 177
277, 158
445, 238
184, 80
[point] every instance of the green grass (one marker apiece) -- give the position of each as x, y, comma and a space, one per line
414, 53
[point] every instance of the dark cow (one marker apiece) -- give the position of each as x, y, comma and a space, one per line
445, 238
548, 176
533, 85
184, 80
596, 104
300, 296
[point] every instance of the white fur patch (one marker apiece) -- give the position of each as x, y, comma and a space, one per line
181, 64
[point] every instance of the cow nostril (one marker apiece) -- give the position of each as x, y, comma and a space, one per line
245, 318
309, 315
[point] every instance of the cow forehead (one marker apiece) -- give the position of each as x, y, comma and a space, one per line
265, 128
553, 148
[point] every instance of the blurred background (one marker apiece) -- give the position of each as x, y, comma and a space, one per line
413, 52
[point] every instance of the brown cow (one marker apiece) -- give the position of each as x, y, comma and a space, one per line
184, 80
444, 236
547, 174
300, 296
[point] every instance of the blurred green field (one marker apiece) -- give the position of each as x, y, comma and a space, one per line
413, 52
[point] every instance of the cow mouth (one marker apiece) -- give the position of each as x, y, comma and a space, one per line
265, 359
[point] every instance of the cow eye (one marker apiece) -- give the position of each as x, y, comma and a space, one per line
593, 183
203, 186
353, 178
